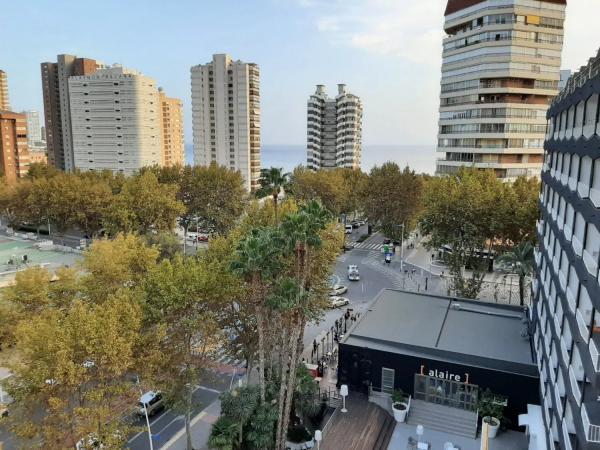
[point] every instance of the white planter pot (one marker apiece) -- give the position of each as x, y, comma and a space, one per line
400, 413
493, 426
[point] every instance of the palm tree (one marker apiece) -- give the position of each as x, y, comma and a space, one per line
520, 259
257, 260
272, 182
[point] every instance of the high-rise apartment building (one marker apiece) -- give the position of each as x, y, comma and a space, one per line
500, 70
171, 113
4, 101
34, 129
115, 120
55, 87
566, 289
334, 130
14, 156
226, 116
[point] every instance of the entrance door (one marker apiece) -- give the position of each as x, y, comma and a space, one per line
446, 392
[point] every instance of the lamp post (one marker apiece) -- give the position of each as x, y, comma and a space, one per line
344, 394
146, 414
318, 438
401, 246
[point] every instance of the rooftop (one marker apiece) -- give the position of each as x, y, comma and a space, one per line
456, 5
455, 330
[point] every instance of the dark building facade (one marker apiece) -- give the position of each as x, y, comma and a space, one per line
566, 291
408, 340
57, 112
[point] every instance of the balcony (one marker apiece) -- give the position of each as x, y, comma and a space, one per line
593, 346
583, 328
566, 437
590, 262
571, 299
575, 386
590, 418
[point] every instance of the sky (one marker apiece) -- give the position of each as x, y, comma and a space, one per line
388, 52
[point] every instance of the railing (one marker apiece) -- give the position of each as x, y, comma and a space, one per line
592, 432
566, 437
583, 328
329, 423
575, 386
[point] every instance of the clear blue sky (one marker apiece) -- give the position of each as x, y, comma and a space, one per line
386, 51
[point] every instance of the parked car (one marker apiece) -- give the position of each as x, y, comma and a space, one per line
337, 301
338, 289
203, 237
355, 224
153, 401
348, 229
353, 274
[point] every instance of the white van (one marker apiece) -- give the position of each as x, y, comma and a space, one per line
153, 402
348, 229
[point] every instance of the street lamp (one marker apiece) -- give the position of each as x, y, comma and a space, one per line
401, 246
344, 394
145, 413
318, 438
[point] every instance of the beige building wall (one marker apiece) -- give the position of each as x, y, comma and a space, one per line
500, 70
226, 116
172, 130
115, 120
4, 101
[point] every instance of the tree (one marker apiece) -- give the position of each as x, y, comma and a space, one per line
41, 170
143, 205
272, 182
214, 196
520, 260
257, 261
392, 197
12, 199
325, 185
111, 265
183, 298
464, 212
521, 210
167, 243
73, 363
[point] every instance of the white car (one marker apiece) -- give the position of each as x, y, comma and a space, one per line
348, 229
338, 289
337, 301
150, 401
353, 274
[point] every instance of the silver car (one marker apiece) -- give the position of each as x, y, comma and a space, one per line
338, 289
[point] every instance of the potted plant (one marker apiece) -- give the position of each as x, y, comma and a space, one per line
399, 405
490, 410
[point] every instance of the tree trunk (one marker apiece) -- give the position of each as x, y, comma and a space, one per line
291, 384
261, 352
281, 436
522, 289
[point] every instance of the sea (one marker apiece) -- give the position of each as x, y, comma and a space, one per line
420, 158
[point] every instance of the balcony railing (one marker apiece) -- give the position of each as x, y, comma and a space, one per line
595, 355
583, 329
575, 386
592, 432
566, 437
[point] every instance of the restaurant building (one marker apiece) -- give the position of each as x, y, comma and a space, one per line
442, 350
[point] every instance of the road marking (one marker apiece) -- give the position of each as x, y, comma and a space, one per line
193, 422
163, 415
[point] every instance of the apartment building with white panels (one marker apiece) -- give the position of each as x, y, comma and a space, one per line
500, 69
334, 130
566, 290
226, 116
115, 120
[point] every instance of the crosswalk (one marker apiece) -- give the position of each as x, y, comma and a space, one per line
376, 263
367, 246
227, 361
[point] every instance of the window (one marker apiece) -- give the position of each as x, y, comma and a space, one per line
574, 172
569, 217
387, 380
595, 189
578, 126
